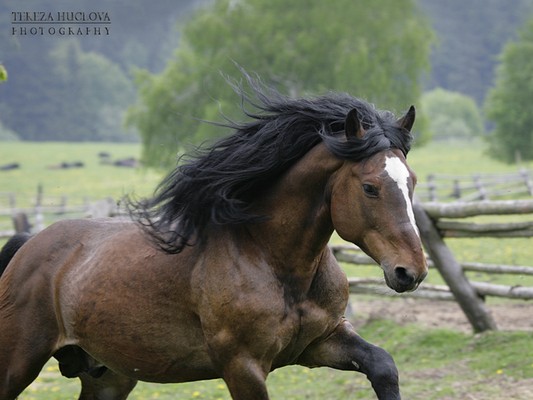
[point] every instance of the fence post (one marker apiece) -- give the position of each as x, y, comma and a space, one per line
479, 186
432, 188
456, 189
21, 223
452, 273
12, 201
527, 180
39, 218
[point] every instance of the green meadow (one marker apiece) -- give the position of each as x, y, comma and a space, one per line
39, 162
433, 363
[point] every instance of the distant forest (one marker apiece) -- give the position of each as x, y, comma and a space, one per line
41, 98
470, 35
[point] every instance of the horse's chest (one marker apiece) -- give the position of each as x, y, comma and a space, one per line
305, 324
308, 321
257, 309
314, 323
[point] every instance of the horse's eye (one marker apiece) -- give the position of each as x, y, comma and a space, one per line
370, 190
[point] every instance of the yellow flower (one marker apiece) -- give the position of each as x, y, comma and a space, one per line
499, 371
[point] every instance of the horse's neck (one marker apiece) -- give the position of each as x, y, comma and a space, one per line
300, 225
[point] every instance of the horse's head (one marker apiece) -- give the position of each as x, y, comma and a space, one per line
371, 206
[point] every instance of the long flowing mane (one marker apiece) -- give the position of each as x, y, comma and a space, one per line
218, 184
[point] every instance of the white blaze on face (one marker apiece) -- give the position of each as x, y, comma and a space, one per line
400, 174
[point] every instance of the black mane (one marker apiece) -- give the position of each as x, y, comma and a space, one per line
218, 184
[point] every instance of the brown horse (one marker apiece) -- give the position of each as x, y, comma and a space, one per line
226, 272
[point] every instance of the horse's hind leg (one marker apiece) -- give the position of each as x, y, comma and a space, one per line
26, 340
26, 344
28, 336
109, 386
16, 376
21, 360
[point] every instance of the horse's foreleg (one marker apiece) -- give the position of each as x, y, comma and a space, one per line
346, 350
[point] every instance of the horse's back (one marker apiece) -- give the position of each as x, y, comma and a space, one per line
50, 250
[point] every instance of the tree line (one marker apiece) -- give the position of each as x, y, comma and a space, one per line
166, 63
78, 87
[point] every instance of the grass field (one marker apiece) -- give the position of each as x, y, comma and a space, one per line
95, 180
434, 363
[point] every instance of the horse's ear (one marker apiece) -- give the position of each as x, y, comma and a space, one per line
352, 125
407, 121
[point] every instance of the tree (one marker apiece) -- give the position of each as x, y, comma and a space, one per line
91, 87
374, 49
3, 73
470, 35
509, 103
40, 104
67, 95
451, 114
6, 134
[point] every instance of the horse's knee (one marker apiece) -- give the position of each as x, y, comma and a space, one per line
383, 365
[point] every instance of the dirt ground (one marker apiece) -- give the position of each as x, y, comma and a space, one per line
512, 315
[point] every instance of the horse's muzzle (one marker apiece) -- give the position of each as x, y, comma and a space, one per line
403, 279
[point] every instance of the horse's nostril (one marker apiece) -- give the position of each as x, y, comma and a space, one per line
403, 276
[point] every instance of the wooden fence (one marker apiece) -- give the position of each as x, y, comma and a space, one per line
443, 187
34, 215
353, 255
438, 221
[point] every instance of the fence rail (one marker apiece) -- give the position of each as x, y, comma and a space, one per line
443, 187
44, 210
437, 221
10, 204
353, 255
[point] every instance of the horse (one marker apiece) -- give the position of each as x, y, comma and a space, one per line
225, 272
